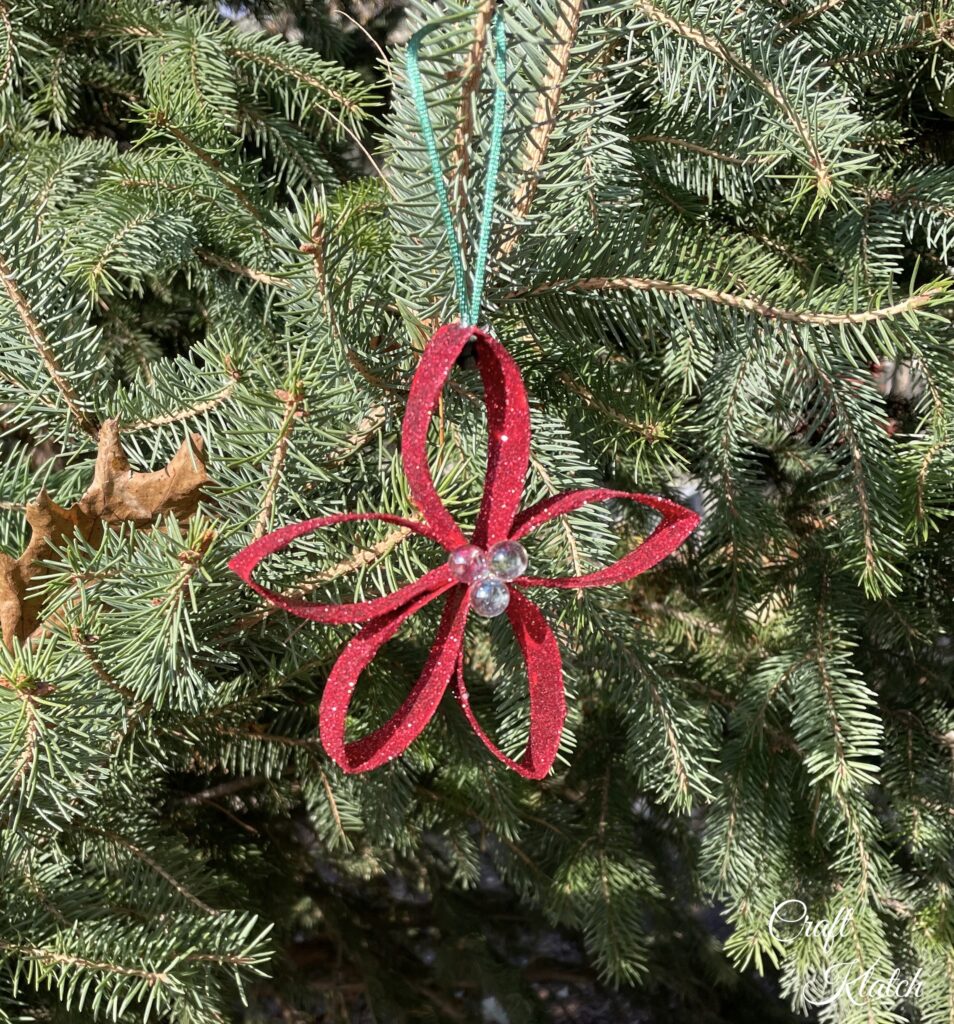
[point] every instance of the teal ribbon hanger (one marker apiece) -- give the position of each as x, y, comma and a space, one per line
469, 311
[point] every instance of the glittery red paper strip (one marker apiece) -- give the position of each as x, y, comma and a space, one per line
508, 434
244, 563
406, 723
677, 523
508, 452
545, 685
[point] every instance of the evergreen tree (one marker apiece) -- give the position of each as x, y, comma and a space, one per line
722, 254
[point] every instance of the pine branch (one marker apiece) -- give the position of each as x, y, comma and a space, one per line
823, 175
152, 864
6, 71
289, 70
38, 336
258, 736
812, 12
31, 739
212, 163
315, 248
878, 52
352, 108
85, 645
683, 787
922, 478
333, 806
181, 415
694, 147
229, 788
51, 956
258, 276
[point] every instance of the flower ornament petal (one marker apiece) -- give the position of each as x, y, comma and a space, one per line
406, 724
245, 562
676, 525
508, 434
541, 655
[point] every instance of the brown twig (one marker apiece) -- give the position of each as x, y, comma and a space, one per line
333, 806
920, 510
191, 560
667, 140
182, 414
8, 55
341, 13
227, 788
700, 294
315, 248
210, 161
579, 388
292, 402
470, 75
259, 276
369, 426
544, 117
268, 737
141, 855
31, 737
31, 952
86, 647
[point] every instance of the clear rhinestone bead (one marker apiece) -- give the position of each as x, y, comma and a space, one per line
489, 597
468, 564
507, 560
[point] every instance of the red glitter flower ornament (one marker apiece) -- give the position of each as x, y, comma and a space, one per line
498, 522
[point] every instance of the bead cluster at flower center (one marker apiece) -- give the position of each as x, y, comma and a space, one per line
487, 573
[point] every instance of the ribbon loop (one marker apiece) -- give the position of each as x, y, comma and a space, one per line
545, 685
677, 523
246, 561
508, 435
407, 723
508, 456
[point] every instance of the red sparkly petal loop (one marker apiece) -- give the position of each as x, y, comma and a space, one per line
407, 723
508, 434
244, 563
677, 523
545, 683
508, 441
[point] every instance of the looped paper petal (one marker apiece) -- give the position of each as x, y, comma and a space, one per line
545, 684
677, 523
508, 434
245, 562
406, 724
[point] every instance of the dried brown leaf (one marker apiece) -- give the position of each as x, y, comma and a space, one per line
116, 495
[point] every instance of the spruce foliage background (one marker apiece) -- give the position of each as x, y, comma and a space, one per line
722, 255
